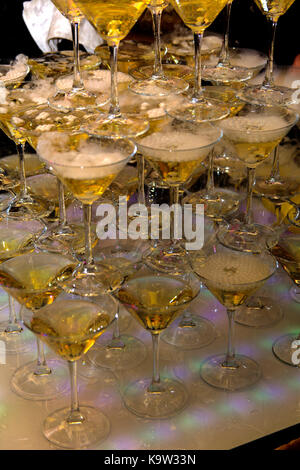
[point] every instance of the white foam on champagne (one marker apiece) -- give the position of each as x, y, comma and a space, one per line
88, 161
249, 128
171, 145
226, 271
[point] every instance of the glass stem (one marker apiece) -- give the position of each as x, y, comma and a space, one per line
62, 205
114, 110
156, 13
197, 85
268, 80
23, 186
155, 386
116, 342
275, 172
187, 320
13, 325
141, 179
224, 55
174, 199
230, 354
250, 185
210, 184
87, 216
41, 366
77, 80
75, 417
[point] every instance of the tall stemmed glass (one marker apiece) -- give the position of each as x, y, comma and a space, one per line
254, 133
154, 300
113, 21
156, 82
197, 107
224, 71
86, 165
287, 253
78, 97
70, 327
231, 276
32, 279
268, 93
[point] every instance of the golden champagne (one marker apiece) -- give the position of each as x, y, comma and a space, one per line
32, 279
155, 301
33, 165
198, 14
273, 9
69, 9
70, 327
287, 252
88, 190
17, 237
113, 19
231, 277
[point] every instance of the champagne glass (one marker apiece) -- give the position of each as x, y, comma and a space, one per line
78, 97
86, 165
268, 93
254, 133
32, 280
157, 82
224, 71
198, 15
113, 21
70, 327
154, 300
17, 238
28, 94
231, 276
287, 253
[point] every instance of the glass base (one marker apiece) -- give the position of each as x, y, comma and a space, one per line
158, 404
283, 350
94, 428
276, 189
268, 95
114, 356
220, 74
73, 100
181, 72
125, 126
27, 207
69, 238
91, 281
295, 294
194, 333
6, 199
252, 238
215, 373
258, 312
218, 204
149, 85
13, 341
91, 374
167, 256
30, 386
197, 110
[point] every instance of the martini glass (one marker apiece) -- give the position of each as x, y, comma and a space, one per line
231, 276
86, 165
196, 107
70, 327
32, 279
113, 21
17, 238
176, 150
154, 300
31, 124
287, 253
28, 94
224, 71
157, 82
78, 97
268, 93
254, 133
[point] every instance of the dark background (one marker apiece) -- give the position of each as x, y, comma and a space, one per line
249, 28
